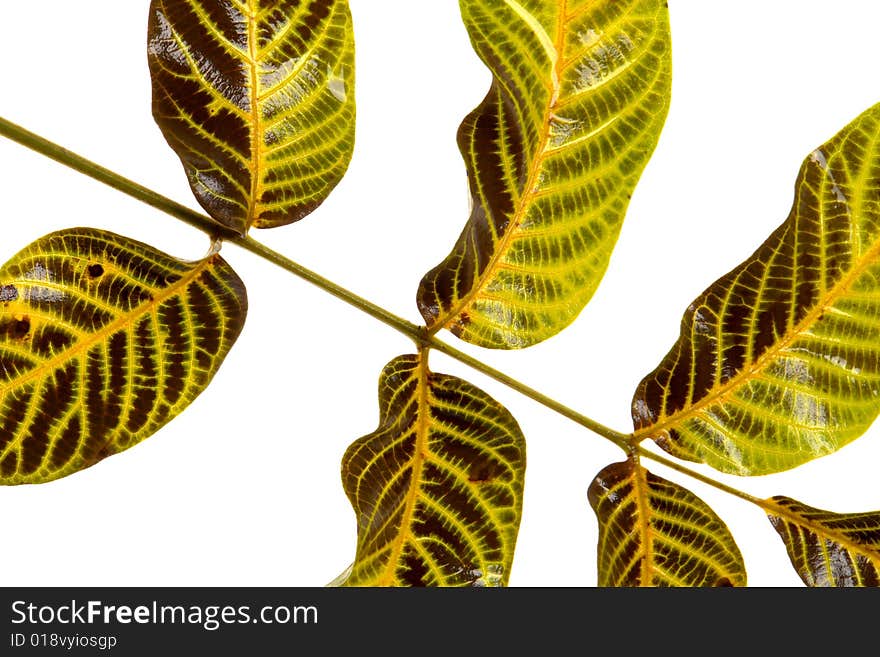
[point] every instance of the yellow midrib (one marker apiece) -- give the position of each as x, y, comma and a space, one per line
256, 122
420, 455
722, 392
640, 480
448, 319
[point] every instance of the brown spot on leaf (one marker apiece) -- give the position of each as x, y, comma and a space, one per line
8, 293
483, 473
18, 329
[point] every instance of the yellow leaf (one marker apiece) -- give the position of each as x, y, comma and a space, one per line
778, 360
257, 100
437, 488
579, 97
826, 548
653, 532
102, 341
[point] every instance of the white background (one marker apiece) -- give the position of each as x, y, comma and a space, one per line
244, 487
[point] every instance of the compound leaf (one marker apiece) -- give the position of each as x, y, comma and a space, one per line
256, 97
579, 97
778, 362
102, 341
826, 548
437, 488
653, 532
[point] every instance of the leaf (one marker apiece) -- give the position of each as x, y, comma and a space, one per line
825, 548
437, 488
257, 100
102, 341
653, 532
579, 97
777, 362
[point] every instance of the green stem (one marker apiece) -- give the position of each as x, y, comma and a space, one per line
413, 331
619, 439
644, 453
420, 336
198, 220
417, 333
79, 163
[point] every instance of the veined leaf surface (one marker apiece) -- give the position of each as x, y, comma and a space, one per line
826, 548
102, 341
257, 99
653, 532
778, 362
580, 92
437, 488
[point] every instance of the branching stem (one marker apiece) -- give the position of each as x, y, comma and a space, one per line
422, 339
418, 334
646, 454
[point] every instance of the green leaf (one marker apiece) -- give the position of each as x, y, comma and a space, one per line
778, 362
102, 341
257, 100
579, 97
825, 548
653, 532
437, 488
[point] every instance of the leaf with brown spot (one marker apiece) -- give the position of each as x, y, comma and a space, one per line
653, 532
256, 97
826, 548
437, 488
103, 340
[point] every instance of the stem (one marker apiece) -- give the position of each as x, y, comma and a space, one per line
619, 439
79, 163
205, 224
413, 331
418, 334
644, 453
